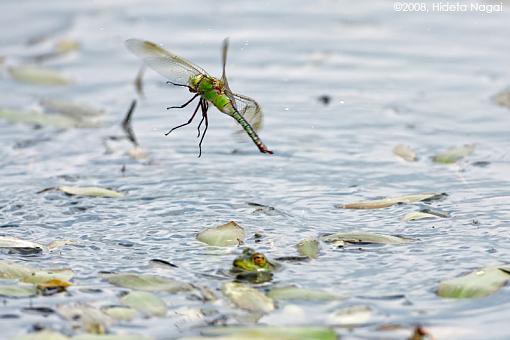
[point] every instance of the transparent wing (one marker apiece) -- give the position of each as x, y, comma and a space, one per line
249, 109
176, 69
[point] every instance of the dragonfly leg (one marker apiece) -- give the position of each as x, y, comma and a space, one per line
188, 122
175, 84
205, 107
199, 125
185, 104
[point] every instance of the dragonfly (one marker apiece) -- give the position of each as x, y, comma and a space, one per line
206, 88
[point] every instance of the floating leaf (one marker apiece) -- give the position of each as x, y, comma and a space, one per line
417, 215
67, 45
122, 313
145, 302
480, 283
147, 282
230, 234
52, 286
247, 298
405, 152
79, 111
267, 333
453, 155
43, 335
388, 202
38, 118
16, 243
354, 238
13, 242
351, 316
37, 75
90, 191
296, 293
308, 248
88, 318
18, 291
10, 270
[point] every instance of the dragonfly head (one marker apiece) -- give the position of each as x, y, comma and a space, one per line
194, 82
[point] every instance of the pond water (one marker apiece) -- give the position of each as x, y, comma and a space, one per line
422, 79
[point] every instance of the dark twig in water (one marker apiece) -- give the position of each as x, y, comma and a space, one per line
126, 124
139, 82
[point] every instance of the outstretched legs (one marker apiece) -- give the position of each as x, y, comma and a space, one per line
183, 105
205, 107
189, 121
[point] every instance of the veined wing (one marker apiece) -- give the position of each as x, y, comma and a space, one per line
246, 106
177, 69
249, 109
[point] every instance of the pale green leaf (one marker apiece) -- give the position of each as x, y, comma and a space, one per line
122, 313
388, 202
267, 333
10, 270
110, 337
247, 298
18, 291
296, 293
480, 283
39, 118
229, 234
308, 248
89, 318
405, 152
353, 238
351, 316
417, 215
453, 155
145, 302
147, 282
90, 191
37, 75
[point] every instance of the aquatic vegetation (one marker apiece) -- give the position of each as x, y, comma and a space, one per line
225, 235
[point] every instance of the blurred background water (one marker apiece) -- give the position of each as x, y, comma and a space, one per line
422, 79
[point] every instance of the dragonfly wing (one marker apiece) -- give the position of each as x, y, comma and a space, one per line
224, 61
177, 69
249, 109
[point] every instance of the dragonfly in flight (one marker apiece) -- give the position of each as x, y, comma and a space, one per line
209, 90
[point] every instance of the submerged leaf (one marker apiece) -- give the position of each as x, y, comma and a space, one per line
38, 118
18, 291
388, 202
296, 293
88, 318
122, 313
147, 282
229, 234
247, 298
37, 75
267, 333
480, 283
308, 248
453, 155
353, 238
10, 270
90, 191
503, 98
146, 303
71, 109
405, 152
351, 316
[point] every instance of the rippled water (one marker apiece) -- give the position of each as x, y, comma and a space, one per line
426, 80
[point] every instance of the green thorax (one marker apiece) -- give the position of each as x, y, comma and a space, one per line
213, 90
